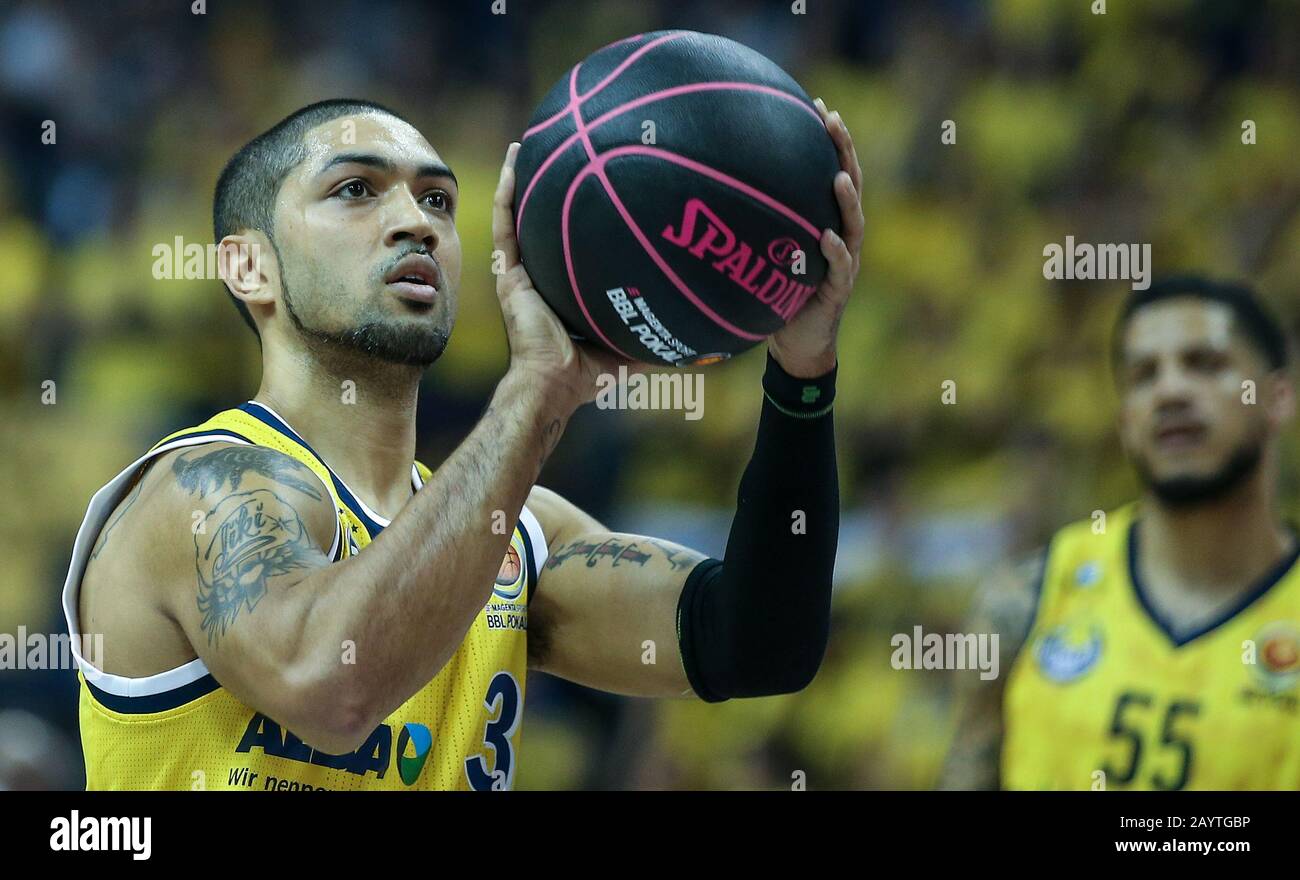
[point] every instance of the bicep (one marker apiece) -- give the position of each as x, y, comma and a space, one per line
244, 525
605, 611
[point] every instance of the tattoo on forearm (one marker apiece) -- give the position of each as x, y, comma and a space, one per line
622, 552
239, 550
211, 471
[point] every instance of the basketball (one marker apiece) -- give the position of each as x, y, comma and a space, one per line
670, 194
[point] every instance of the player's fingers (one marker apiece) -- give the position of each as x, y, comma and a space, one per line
839, 275
515, 277
850, 213
843, 140
848, 152
503, 213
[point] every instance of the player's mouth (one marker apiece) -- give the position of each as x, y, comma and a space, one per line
1177, 434
416, 277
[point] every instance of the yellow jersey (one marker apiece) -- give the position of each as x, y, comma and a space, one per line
1105, 695
180, 729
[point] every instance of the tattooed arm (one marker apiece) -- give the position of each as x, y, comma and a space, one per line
329, 650
606, 596
258, 601
1005, 605
638, 616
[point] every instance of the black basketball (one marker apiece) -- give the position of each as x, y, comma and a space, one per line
670, 195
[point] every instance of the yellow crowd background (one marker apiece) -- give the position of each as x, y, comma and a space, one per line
1118, 127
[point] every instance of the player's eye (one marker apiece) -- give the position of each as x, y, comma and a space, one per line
438, 199
353, 189
1142, 373
1206, 361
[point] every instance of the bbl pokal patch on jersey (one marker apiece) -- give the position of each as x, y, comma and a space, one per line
511, 576
507, 609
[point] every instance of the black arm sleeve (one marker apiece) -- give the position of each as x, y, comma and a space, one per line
756, 623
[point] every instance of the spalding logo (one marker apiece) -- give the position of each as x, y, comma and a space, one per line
714, 238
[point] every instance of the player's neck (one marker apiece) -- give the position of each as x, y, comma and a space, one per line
1222, 545
357, 414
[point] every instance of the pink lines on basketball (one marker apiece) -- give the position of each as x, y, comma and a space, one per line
670, 195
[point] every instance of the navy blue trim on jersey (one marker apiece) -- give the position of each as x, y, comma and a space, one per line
210, 432
530, 561
149, 703
1256, 592
263, 415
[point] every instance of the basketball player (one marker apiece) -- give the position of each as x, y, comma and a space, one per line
1157, 646
289, 601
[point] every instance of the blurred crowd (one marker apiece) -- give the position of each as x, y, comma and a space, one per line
1122, 127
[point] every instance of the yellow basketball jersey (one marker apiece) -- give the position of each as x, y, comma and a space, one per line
1104, 694
180, 729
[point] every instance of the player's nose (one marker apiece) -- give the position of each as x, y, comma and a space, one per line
405, 220
1174, 393
1173, 384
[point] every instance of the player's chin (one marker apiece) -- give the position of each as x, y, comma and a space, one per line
1186, 466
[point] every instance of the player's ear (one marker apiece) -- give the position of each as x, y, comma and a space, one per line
1281, 398
246, 267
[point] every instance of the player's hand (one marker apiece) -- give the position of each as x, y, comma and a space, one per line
805, 347
540, 346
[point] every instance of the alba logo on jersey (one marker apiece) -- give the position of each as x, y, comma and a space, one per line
417, 734
373, 757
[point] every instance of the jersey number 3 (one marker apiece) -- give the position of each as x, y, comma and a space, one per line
502, 704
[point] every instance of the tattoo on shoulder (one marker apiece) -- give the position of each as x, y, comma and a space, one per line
239, 548
208, 472
619, 552
102, 541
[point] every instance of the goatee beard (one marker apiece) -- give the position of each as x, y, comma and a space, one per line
1185, 492
406, 346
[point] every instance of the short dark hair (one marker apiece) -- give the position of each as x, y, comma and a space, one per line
1253, 319
250, 183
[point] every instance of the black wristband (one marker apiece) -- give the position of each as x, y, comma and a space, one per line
799, 398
